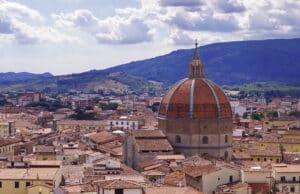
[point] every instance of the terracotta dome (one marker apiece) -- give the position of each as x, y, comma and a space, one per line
195, 98
196, 115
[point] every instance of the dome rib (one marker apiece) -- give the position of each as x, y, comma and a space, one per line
177, 85
192, 98
215, 96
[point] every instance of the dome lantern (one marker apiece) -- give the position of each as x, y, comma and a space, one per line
196, 67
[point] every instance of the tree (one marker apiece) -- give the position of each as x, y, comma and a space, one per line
295, 114
275, 114
154, 106
110, 106
257, 116
245, 115
83, 115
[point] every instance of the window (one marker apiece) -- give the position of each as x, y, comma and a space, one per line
177, 139
122, 123
226, 155
292, 189
205, 140
282, 178
0, 184
265, 159
28, 184
226, 138
119, 191
294, 179
277, 160
17, 184
258, 159
230, 178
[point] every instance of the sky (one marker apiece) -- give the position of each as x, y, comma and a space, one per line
71, 36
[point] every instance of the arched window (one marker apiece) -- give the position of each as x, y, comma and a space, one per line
177, 139
226, 138
205, 140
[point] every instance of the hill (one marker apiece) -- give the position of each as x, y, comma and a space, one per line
98, 81
226, 63
233, 64
12, 77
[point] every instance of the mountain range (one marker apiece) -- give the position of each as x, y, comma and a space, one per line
230, 63
226, 63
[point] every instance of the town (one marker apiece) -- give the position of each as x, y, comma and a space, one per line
191, 140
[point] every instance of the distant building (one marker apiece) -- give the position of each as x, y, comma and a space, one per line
206, 176
145, 145
7, 129
124, 122
287, 178
29, 180
26, 98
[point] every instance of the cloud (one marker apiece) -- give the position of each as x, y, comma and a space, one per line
12, 24
5, 25
111, 30
204, 22
230, 6
178, 37
17, 10
180, 3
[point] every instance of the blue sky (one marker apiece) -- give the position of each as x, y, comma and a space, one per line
70, 36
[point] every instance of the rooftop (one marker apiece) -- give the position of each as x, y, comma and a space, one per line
148, 134
173, 190
153, 145
28, 173
118, 184
288, 168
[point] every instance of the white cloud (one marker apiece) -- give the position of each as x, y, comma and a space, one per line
230, 6
180, 3
205, 22
170, 21
178, 37
17, 10
14, 27
112, 30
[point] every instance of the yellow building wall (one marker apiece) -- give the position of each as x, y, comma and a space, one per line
8, 186
39, 190
45, 156
287, 147
281, 124
291, 147
268, 158
291, 136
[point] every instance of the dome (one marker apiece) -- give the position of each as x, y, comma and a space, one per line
197, 98
196, 115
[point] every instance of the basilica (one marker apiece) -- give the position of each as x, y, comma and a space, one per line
196, 116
